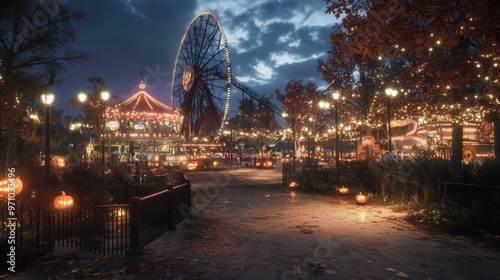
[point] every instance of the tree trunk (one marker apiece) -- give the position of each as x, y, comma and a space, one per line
20, 149
496, 138
457, 137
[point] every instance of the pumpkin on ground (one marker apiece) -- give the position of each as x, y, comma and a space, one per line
343, 190
361, 199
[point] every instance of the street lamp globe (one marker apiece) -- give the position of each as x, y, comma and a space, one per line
336, 95
82, 96
324, 104
391, 92
105, 95
47, 98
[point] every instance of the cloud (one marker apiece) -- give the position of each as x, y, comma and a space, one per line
129, 4
270, 42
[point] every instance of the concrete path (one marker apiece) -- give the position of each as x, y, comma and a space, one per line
246, 225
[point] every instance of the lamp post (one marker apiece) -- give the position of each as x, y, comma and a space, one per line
325, 105
391, 93
231, 147
82, 96
293, 138
47, 99
104, 97
309, 133
336, 96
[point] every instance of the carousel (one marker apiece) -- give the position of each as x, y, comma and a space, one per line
142, 129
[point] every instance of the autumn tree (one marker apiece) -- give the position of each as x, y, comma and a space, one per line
93, 106
442, 56
34, 39
300, 104
266, 115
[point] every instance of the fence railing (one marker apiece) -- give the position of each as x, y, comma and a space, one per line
487, 196
397, 187
152, 216
103, 229
98, 230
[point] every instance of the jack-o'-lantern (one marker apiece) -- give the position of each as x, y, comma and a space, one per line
343, 190
361, 199
192, 165
63, 201
293, 184
10, 183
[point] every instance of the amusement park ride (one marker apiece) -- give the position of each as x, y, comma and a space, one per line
202, 79
202, 82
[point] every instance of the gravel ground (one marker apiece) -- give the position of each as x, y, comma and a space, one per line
246, 225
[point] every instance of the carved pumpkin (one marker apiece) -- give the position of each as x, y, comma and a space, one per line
293, 184
63, 201
192, 166
361, 199
14, 183
343, 190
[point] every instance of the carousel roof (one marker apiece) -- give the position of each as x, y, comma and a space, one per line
144, 103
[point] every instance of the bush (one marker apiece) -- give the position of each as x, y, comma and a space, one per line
87, 186
413, 185
454, 217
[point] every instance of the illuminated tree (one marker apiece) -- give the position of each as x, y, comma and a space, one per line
443, 56
300, 103
34, 40
93, 106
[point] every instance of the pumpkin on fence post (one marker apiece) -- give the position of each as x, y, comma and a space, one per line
8, 184
63, 201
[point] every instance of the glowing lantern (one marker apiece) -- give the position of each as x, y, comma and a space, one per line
361, 199
13, 183
343, 190
192, 166
293, 184
268, 164
59, 162
216, 163
63, 201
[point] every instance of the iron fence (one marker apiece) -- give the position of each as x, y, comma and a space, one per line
152, 216
486, 196
98, 230
103, 229
395, 187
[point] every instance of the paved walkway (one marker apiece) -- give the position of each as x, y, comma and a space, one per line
245, 225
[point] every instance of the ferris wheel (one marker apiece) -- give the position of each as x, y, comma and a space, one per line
201, 82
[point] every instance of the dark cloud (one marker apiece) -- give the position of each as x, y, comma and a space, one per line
125, 37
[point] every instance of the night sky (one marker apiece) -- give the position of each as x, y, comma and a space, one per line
270, 43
